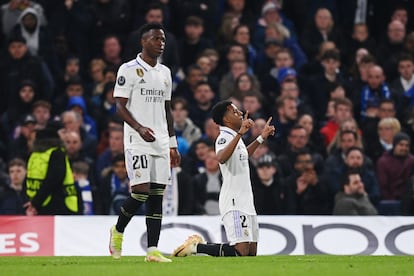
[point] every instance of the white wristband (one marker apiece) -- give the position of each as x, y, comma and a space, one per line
260, 139
173, 142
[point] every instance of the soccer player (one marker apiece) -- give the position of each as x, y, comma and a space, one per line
236, 197
143, 94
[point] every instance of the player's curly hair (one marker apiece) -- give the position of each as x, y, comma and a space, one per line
218, 111
148, 27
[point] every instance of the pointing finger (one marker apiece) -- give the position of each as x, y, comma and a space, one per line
269, 120
246, 115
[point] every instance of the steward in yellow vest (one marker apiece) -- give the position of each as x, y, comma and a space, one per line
50, 186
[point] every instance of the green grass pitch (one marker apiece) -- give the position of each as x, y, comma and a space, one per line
205, 265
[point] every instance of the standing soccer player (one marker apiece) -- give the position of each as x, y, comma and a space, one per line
236, 197
143, 95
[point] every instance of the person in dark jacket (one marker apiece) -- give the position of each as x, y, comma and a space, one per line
352, 199
11, 194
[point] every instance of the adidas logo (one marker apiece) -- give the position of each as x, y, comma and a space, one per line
142, 81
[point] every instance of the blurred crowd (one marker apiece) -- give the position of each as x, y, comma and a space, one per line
337, 77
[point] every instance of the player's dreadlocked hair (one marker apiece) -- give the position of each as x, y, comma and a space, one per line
218, 111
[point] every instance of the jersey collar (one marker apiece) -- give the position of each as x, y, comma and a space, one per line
227, 130
145, 65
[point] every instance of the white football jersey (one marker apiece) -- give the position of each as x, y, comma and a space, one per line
236, 191
146, 88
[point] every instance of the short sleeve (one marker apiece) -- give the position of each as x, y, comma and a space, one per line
124, 83
222, 141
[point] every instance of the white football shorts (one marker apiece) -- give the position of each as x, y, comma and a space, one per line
145, 168
240, 227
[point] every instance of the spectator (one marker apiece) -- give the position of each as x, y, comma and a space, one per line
41, 111
72, 121
21, 145
342, 112
315, 139
207, 186
111, 51
271, 196
394, 168
285, 117
309, 187
116, 147
80, 174
77, 104
193, 42
387, 128
352, 199
244, 84
183, 125
204, 101
18, 65
115, 187
12, 196
186, 88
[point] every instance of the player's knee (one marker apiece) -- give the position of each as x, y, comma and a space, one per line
242, 249
141, 188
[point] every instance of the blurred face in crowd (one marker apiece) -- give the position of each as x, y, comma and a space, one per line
112, 47
409, 42
237, 68
26, 94
180, 114
72, 142
193, 32
17, 50
70, 121
236, 52
354, 159
386, 110
303, 163
360, 53
323, 20
42, 114
236, 5
331, 66
347, 141
242, 35
360, 32
17, 175
338, 93
342, 113
289, 110
154, 15
355, 186
400, 15
201, 151
266, 172
386, 133
194, 76
244, 82
258, 126
120, 169
375, 77
290, 89
396, 31
116, 141
406, 69
203, 94
402, 148
298, 138
363, 69
284, 59
306, 121
74, 90
205, 64
72, 67
251, 104
211, 129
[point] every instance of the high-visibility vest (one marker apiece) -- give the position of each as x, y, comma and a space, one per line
36, 173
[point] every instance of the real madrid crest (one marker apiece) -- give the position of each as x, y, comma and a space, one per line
137, 174
140, 72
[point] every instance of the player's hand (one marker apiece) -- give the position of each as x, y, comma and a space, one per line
147, 134
246, 123
268, 129
175, 157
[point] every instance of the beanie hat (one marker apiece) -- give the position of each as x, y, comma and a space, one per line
400, 137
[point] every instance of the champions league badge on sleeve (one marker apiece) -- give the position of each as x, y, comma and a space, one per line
221, 141
121, 80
